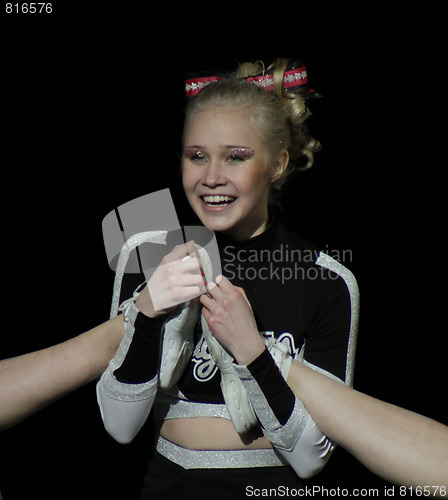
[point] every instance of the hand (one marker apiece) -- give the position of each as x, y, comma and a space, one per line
230, 318
177, 279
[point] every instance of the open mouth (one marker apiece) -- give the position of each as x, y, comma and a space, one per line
218, 200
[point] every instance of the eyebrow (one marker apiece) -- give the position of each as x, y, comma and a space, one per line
229, 146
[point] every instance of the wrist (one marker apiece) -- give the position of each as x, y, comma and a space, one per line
250, 353
278, 394
145, 306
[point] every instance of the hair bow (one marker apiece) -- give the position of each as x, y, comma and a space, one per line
294, 79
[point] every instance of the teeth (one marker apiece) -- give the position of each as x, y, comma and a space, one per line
218, 199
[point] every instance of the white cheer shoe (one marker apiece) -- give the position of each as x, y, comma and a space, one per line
233, 390
178, 334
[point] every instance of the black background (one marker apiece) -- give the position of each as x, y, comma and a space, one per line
92, 116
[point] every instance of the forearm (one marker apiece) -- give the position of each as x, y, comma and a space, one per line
398, 445
283, 417
127, 388
32, 381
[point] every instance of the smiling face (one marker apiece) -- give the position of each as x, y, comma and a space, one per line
226, 172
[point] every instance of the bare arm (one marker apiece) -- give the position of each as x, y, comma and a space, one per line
400, 446
32, 381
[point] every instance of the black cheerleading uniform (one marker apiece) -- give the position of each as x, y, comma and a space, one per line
300, 297
291, 299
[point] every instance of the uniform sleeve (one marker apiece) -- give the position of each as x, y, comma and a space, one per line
331, 310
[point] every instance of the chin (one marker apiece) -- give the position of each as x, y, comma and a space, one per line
216, 225
215, 221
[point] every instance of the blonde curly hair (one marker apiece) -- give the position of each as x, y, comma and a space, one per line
279, 116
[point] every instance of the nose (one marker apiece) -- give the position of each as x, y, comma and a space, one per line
213, 175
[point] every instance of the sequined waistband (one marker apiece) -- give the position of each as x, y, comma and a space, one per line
168, 407
218, 459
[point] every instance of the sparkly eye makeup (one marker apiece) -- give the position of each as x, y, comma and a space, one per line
193, 154
230, 155
241, 154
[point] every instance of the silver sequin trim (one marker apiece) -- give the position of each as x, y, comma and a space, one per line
134, 241
335, 266
218, 459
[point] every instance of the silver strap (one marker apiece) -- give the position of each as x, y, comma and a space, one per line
158, 237
219, 459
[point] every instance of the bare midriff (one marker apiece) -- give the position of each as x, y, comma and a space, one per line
210, 433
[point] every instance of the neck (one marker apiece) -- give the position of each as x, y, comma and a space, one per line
248, 232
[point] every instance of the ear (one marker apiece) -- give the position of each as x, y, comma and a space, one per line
280, 165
